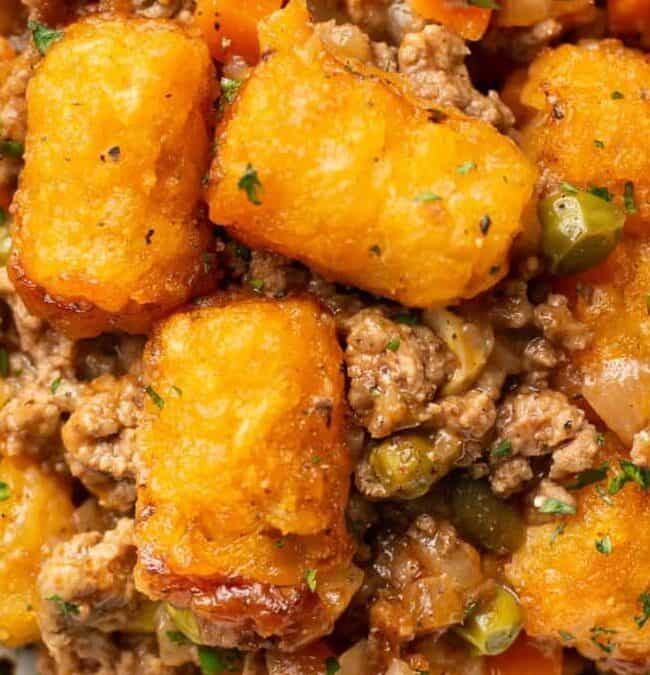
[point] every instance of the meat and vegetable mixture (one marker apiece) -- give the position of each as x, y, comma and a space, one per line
325, 336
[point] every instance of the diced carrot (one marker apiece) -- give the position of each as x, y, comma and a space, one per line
469, 22
230, 26
527, 656
629, 17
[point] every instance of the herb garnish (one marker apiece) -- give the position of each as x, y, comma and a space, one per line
604, 545
250, 183
644, 599
628, 198
502, 449
331, 666
67, 608
553, 505
427, 196
393, 344
157, 399
5, 491
310, 578
589, 476
43, 36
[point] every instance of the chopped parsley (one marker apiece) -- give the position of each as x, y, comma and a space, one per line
600, 439
250, 183
229, 89
315, 459
598, 143
568, 188
214, 661
11, 148
5, 491
486, 4
629, 473
616, 95
484, 224
502, 449
589, 476
177, 637
331, 666
157, 399
427, 196
553, 505
601, 638
604, 545
56, 384
559, 530
601, 192
66, 608
393, 344
44, 36
406, 319
644, 599
257, 285
310, 578
628, 198
464, 168
4, 363
566, 636
278, 543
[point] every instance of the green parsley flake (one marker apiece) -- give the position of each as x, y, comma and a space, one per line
628, 198
157, 399
600, 439
589, 476
486, 4
56, 384
310, 578
331, 666
11, 148
559, 530
427, 196
4, 363
616, 95
393, 344
604, 545
600, 637
177, 637
604, 496
214, 661
568, 188
644, 599
464, 168
66, 608
502, 449
406, 319
278, 543
601, 192
566, 636
229, 88
5, 491
250, 183
257, 285
629, 473
177, 390
43, 36
553, 505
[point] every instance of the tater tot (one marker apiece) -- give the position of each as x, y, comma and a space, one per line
588, 119
107, 234
241, 516
330, 163
35, 509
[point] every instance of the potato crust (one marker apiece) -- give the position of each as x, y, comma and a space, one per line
247, 468
370, 191
107, 235
37, 510
592, 107
565, 584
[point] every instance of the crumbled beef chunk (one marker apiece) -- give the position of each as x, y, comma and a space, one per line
384, 19
433, 61
99, 440
536, 422
470, 416
540, 354
508, 305
510, 476
576, 455
394, 370
274, 275
547, 489
426, 578
559, 325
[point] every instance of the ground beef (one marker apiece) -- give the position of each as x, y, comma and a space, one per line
88, 594
508, 306
523, 44
547, 489
426, 579
433, 61
555, 319
470, 416
394, 370
274, 275
510, 476
181, 10
576, 455
99, 440
384, 19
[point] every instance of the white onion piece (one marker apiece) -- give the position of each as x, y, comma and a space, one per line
619, 391
354, 661
398, 667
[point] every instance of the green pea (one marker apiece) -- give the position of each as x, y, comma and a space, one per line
186, 622
407, 464
483, 518
579, 230
494, 624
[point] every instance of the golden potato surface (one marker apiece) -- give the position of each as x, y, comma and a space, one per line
592, 116
241, 514
106, 230
35, 509
331, 163
588, 598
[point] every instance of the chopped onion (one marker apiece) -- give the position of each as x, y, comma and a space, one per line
354, 661
619, 391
